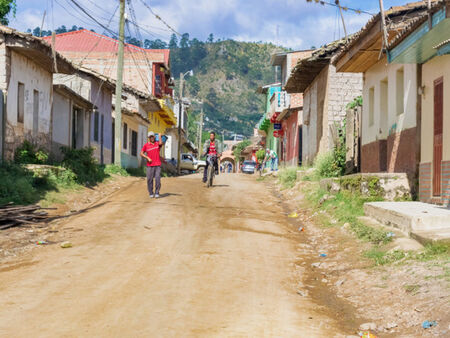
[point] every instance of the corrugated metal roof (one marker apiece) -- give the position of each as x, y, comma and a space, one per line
87, 41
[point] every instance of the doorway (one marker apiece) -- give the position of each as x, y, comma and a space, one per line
437, 135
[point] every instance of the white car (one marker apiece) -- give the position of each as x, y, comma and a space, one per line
189, 162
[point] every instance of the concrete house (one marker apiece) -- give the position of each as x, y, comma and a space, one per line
27, 66
390, 113
291, 116
425, 43
325, 96
71, 120
94, 121
147, 70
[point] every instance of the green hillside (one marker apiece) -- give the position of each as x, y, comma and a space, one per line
226, 76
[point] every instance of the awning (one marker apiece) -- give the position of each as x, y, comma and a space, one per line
167, 113
263, 123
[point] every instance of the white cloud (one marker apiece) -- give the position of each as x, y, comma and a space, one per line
301, 24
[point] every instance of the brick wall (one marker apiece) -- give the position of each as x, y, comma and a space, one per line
296, 100
373, 155
401, 152
342, 89
446, 182
425, 182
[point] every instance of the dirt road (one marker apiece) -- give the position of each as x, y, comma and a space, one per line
198, 262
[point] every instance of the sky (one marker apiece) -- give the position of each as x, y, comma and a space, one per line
296, 24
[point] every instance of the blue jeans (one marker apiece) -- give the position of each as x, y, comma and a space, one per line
274, 164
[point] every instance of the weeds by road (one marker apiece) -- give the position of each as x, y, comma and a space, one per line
366, 264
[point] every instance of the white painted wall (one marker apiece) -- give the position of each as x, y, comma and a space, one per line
437, 67
395, 123
61, 119
24, 70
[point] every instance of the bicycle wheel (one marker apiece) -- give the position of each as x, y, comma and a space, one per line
210, 176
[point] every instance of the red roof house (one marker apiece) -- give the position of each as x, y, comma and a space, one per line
145, 69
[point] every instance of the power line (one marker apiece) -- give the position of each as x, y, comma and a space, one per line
337, 4
159, 18
91, 17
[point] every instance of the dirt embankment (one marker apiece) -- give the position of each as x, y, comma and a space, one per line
396, 298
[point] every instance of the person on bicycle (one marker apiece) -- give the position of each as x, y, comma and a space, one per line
214, 148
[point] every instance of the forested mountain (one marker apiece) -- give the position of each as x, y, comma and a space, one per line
226, 76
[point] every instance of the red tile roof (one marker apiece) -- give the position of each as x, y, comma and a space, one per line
87, 41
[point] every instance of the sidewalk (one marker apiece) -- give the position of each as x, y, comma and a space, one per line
424, 222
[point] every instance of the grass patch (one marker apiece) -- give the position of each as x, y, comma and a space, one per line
346, 207
434, 251
112, 169
413, 288
137, 172
381, 257
287, 177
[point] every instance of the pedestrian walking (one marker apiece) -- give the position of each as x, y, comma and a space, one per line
150, 151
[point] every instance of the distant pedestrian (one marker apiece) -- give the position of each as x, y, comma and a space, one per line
150, 151
273, 157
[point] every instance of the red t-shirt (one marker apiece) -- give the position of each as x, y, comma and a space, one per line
212, 148
152, 151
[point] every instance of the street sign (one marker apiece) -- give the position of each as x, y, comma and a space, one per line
277, 126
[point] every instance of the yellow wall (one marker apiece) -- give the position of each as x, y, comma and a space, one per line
432, 70
157, 124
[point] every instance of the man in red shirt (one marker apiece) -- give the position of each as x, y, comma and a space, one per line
211, 147
150, 151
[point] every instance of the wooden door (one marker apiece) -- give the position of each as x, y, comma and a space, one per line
438, 131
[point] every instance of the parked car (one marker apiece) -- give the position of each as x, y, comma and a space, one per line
189, 162
248, 167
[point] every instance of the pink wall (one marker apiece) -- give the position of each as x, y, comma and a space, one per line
290, 139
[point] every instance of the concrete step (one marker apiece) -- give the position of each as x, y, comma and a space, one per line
427, 222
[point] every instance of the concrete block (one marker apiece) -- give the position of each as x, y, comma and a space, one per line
413, 218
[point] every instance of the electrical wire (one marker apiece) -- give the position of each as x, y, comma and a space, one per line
159, 18
337, 4
91, 17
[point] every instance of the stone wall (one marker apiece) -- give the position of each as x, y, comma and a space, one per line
388, 186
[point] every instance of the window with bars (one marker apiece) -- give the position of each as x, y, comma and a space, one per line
134, 146
96, 125
125, 136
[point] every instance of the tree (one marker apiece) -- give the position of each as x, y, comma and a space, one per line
194, 86
133, 41
173, 43
240, 147
61, 29
6, 7
155, 44
37, 31
210, 38
184, 42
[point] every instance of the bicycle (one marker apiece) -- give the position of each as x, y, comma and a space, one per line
211, 160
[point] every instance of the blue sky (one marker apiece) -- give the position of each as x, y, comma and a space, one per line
300, 24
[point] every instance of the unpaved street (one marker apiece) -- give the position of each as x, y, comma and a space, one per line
197, 262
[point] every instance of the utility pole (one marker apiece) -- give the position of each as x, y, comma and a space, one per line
42, 24
342, 17
430, 21
200, 134
118, 105
180, 120
383, 25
